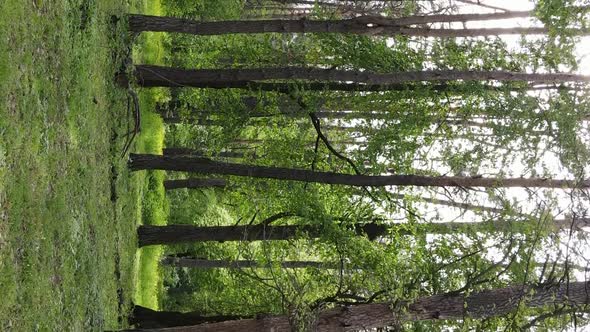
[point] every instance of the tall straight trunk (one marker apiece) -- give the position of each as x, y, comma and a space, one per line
206, 166
150, 235
478, 305
151, 76
147, 318
193, 183
239, 264
147, 73
200, 122
243, 143
478, 3
308, 3
146, 77
174, 151
363, 25
464, 206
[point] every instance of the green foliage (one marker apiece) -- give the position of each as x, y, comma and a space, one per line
562, 18
205, 10
362, 52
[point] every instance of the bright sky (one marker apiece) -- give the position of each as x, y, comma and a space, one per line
583, 52
583, 48
445, 214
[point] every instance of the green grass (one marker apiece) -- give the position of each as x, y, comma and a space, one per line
69, 206
154, 212
149, 48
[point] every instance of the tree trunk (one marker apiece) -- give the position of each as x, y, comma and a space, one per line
478, 3
175, 78
172, 120
150, 235
200, 122
147, 318
363, 25
484, 304
206, 166
239, 264
190, 77
173, 151
253, 143
194, 183
199, 153
464, 206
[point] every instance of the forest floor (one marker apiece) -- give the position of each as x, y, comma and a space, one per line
69, 207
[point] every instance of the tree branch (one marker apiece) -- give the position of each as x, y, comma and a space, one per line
276, 217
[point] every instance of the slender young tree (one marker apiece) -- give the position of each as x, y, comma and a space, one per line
146, 79
150, 80
206, 166
170, 234
175, 78
193, 183
198, 263
477, 305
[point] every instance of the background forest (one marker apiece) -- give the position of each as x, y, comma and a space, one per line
449, 234
297, 165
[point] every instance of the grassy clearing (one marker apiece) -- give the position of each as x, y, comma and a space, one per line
149, 48
154, 211
68, 205
66, 196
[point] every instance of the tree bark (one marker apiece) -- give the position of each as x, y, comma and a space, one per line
477, 3
484, 304
147, 318
170, 234
199, 153
175, 78
363, 25
206, 166
193, 183
464, 206
150, 235
240, 264
151, 73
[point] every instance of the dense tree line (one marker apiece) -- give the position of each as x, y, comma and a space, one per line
354, 118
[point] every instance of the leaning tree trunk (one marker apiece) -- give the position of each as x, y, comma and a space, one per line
170, 234
206, 166
148, 75
480, 305
364, 25
146, 318
194, 183
198, 263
